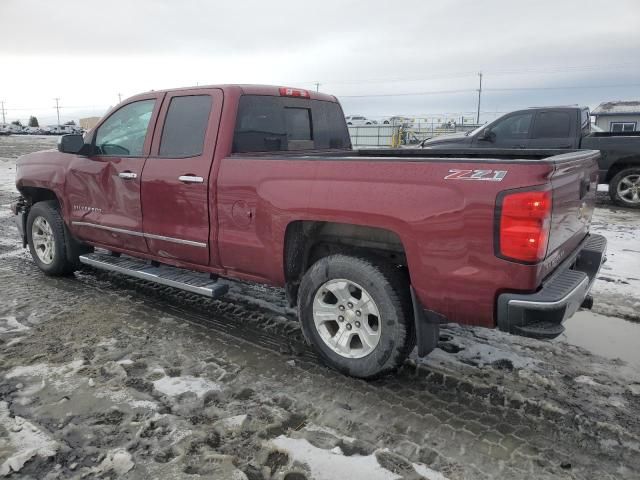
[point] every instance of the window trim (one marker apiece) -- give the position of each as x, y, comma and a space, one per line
150, 128
164, 123
635, 126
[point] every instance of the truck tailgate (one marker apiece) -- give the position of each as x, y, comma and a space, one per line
574, 183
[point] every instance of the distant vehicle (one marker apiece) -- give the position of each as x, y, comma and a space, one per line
359, 120
10, 129
62, 129
33, 130
561, 128
396, 120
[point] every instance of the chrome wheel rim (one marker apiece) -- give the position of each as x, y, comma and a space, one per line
346, 318
629, 188
43, 242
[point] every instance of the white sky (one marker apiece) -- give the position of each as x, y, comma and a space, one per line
531, 53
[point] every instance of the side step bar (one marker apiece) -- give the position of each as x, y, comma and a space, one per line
194, 282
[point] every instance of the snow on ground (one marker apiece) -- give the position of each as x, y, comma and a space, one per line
324, 464
22, 442
173, 386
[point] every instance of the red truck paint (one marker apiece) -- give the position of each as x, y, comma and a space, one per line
242, 210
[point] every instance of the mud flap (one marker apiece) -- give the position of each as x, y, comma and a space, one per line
74, 247
427, 327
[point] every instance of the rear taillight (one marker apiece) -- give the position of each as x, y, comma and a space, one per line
294, 92
525, 219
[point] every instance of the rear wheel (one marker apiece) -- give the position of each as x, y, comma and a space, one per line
624, 188
357, 315
47, 241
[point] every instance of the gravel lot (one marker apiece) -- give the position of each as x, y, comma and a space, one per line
103, 376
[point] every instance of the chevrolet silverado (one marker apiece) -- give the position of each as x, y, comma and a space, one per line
193, 187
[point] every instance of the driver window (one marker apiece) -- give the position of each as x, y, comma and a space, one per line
124, 132
514, 127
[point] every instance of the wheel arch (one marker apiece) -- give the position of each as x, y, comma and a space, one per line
307, 241
621, 164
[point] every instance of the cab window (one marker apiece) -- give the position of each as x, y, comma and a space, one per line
513, 127
124, 132
552, 125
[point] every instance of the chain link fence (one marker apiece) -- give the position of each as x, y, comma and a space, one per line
397, 135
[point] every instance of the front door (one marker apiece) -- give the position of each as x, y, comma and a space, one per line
104, 189
176, 188
512, 131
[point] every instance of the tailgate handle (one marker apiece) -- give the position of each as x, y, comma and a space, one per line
585, 186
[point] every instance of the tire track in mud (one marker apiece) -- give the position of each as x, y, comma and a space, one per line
452, 410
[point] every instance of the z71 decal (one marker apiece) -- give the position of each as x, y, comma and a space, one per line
486, 175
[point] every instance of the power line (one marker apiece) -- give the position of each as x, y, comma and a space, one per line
496, 72
469, 90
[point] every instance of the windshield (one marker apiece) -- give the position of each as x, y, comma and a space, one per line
476, 130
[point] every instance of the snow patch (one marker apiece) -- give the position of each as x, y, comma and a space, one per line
174, 386
586, 380
117, 461
233, 423
332, 464
11, 325
26, 440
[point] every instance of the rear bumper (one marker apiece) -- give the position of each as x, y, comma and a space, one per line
540, 314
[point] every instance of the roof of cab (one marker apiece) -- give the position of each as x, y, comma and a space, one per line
247, 89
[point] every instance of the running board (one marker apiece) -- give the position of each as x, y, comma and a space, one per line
190, 281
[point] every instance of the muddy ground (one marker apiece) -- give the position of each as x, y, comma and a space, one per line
102, 376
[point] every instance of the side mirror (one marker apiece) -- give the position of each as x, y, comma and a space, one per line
73, 143
487, 135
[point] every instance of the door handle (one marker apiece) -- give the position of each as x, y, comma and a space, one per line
128, 175
190, 179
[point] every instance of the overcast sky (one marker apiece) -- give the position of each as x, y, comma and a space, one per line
368, 53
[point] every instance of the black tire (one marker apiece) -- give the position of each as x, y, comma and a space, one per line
61, 264
615, 182
388, 287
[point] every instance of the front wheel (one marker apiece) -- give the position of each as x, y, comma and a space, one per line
357, 315
47, 241
624, 188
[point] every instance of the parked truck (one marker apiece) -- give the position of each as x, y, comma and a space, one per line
561, 128
192, 187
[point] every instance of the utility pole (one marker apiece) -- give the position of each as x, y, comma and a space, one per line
479, 98
119, 98
317, 84
3, 119
58, 109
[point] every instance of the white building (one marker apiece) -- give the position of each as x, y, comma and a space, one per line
619, 116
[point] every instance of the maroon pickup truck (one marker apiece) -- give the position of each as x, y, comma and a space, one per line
376, 248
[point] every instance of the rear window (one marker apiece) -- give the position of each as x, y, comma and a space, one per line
185, 126
552, 125
267, 123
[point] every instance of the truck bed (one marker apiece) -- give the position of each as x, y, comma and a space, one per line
486, 155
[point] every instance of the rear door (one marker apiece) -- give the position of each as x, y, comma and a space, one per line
176, 190
104, 189
512, 131
554, 129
